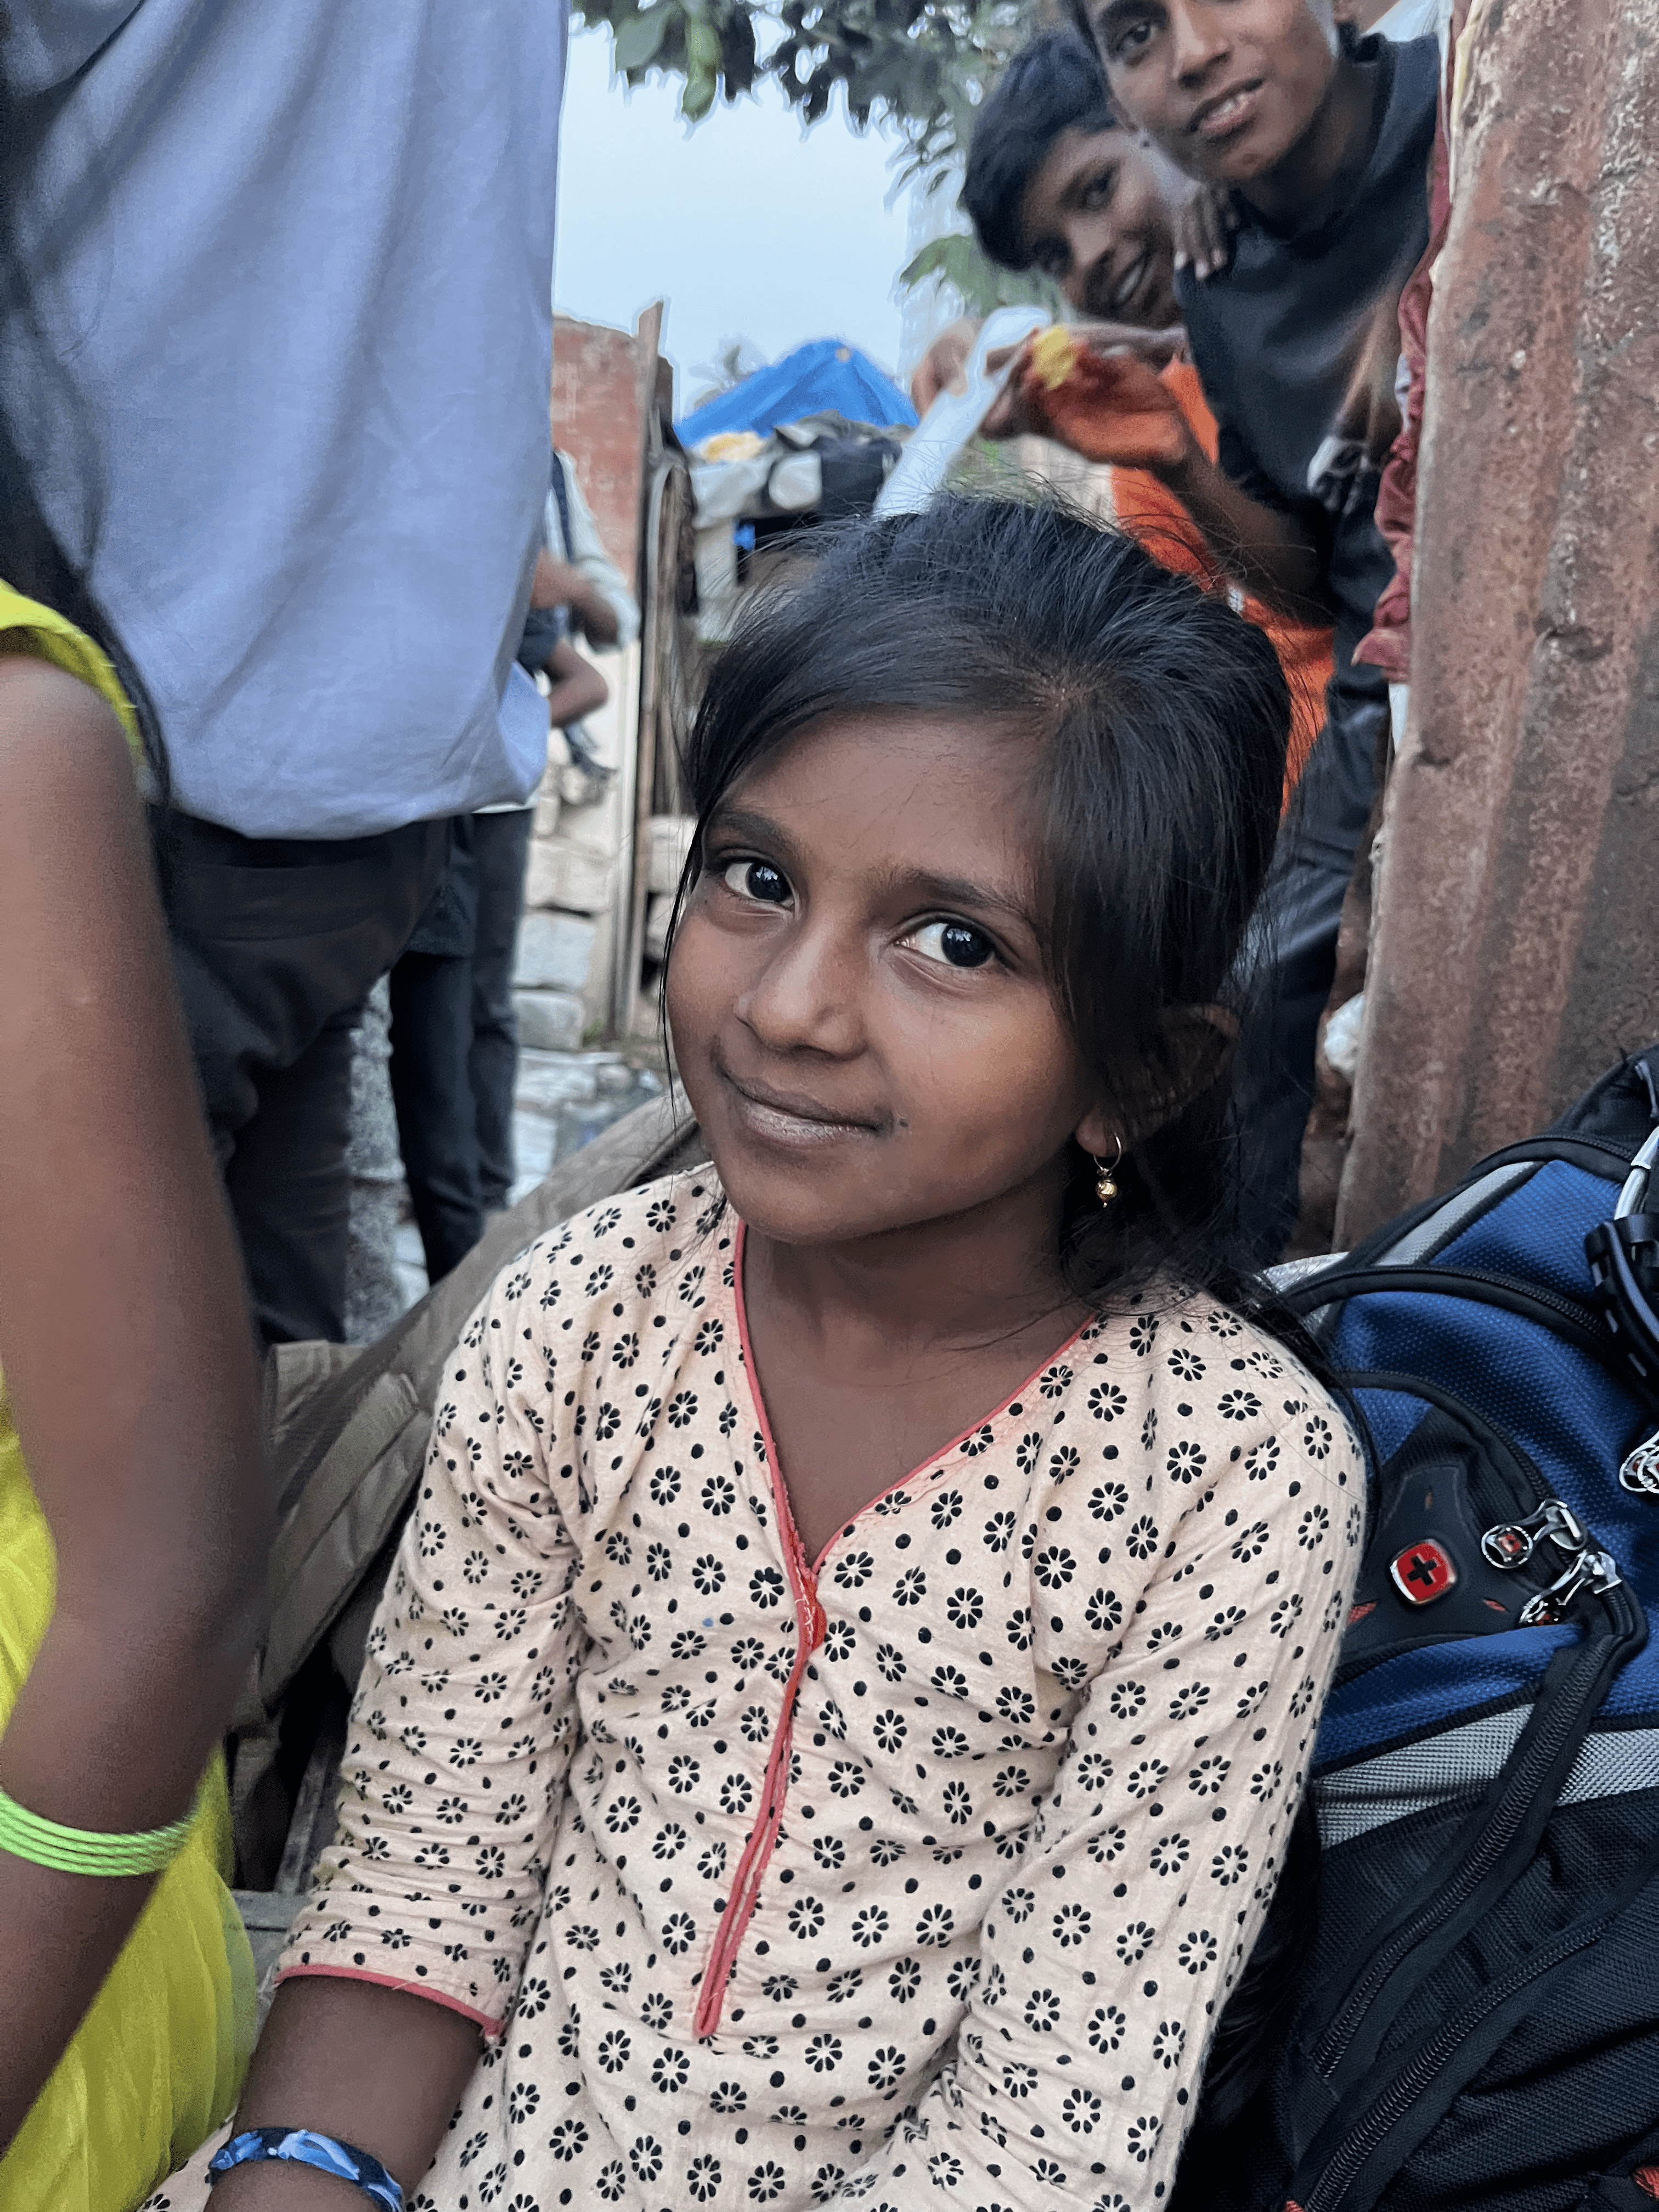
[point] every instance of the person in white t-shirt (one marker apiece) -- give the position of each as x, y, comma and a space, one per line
578, 589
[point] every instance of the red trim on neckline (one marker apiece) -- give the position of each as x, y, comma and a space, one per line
809, 1622
780, 1491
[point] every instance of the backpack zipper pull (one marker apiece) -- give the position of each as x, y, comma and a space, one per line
1640, 1471
1592, 1571
1512, 1543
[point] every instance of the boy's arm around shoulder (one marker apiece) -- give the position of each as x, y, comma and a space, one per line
1114, 407
1108, 1951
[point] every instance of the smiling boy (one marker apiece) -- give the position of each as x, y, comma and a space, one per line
1055, 180
1322, 143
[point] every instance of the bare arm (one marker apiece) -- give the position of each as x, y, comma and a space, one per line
578, 687
593, 613
126, 1351
1115, 407
562, 584
1259, 545
372, 2067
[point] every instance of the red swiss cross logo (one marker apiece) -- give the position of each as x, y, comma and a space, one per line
1423, 1573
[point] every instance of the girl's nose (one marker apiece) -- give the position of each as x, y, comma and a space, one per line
807, 996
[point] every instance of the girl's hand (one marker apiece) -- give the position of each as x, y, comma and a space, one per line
1109, 406
1204, 226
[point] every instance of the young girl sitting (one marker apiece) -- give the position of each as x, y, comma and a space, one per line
838, 1711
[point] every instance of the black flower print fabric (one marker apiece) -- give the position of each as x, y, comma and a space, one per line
917, 1874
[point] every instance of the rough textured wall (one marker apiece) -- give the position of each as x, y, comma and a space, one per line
597, 419
1518, 899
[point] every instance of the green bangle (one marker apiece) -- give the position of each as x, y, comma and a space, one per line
45, 1843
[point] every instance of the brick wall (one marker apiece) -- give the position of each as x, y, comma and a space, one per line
597, 419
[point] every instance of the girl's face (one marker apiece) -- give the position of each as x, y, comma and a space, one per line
1095, 217
1228, 89
856, 992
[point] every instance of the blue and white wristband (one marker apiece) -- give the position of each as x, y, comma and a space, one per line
305, 2147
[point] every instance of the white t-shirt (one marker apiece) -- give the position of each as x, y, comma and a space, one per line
1412, 19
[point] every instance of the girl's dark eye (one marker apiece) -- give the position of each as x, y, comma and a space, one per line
954, 943
757, 879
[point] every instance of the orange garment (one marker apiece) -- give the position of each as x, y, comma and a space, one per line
1150, 511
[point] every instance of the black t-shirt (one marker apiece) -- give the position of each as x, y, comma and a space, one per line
1277, 335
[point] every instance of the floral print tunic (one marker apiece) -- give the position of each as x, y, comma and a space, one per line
916, 1874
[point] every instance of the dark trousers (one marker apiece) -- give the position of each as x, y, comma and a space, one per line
501, 846
276, 942
431, 989
1291, 957
1273, 1084
432, 1091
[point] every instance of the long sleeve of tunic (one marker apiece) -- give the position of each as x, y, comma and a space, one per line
917, 1874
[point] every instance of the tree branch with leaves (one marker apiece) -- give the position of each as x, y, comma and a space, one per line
922, 65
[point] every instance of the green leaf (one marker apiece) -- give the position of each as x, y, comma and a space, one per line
959, 262
923, 65
702, 49
635, 45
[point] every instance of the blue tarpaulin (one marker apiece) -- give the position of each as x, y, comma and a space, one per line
812, 380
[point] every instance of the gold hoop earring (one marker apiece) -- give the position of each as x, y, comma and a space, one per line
1106, 1180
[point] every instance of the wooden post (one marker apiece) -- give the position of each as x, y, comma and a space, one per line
1514, 953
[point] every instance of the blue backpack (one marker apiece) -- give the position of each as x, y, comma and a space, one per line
1474, 2023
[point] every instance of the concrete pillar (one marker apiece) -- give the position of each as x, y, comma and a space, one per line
1515, 950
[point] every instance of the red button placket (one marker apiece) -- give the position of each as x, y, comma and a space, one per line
763, 1837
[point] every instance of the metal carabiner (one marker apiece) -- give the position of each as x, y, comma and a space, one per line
1640, 1469
1592, 1571
1635, 1184
1512, 1543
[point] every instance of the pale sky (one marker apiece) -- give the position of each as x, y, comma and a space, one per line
747, 227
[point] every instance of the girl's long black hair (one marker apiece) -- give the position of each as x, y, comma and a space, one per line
1156, 721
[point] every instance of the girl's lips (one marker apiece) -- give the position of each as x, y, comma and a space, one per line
778, 1118
1224, 117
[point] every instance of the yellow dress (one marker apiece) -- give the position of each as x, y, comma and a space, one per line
158, 2061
